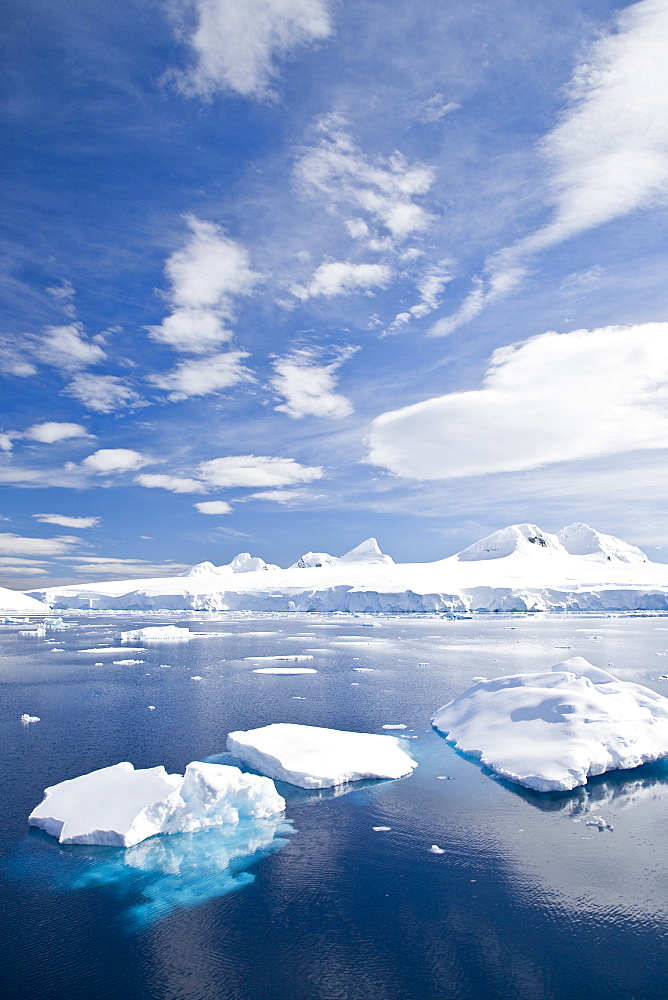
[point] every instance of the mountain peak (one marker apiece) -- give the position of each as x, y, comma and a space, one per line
582, 540
367, 551
527, 539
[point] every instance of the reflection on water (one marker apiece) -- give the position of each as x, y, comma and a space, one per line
167, 872
623, 789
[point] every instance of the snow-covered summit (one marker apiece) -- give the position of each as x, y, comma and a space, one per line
527, 539
246, 563
581, 540
367, 551
312, 560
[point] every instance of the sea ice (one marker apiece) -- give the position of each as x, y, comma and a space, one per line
550, 731
285, 670
27, 719
119, 806
314, 757
155, 633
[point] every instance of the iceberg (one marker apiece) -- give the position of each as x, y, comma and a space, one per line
551, 731
315, 757
119, 806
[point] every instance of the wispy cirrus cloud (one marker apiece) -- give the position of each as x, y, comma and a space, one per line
64, 521
237, 46
103, 393
607, 154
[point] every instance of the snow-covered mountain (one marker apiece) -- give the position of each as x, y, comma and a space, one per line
16, 602
517, 568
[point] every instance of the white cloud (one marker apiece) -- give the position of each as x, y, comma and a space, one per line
67, 347
175, 484
103, 567
554, 398
199, 378
67, 522
608, 153
434, 109
237, 44
17, 545
341, 277
214, 507
287, 498
7, 439
429, 285
308, 385
102, 393
114, 460
63, 295
384, 188
50, 432
205, 277
257, 470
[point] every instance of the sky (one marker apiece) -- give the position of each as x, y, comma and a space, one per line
279, 275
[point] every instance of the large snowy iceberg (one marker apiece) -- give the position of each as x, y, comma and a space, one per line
119, 806
550, 731
314, 757
155, 633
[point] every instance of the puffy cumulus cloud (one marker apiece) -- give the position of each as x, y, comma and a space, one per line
50, 432
308, 384
384, 189
17, 545
608, 153
103, 393
257, 470
214, 507
68, 347
201, 377
7, 439
237, 44
206, 276
554, 398
114, 460
63, 521
175, 484
341, 278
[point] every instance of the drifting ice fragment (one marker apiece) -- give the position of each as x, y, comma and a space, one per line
314, 757
119, 807
550, 731
155, 633
27, 719
285, 670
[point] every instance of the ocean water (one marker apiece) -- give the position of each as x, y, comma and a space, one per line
524, 900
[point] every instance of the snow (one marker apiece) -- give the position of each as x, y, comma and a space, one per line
519, 568
550, 731
315, 757
12, 600
155, 633
285, 670
313, 560
119, 806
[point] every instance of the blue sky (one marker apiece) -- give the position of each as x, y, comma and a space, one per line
282, 274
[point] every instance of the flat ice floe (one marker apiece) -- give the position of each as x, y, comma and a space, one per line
314, 757
550, 731
285, 670
155, 633
119, 807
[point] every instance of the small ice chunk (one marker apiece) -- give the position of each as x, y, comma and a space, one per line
315, 757
599, 823
195, 677
550, 731
300, 656
119, 806
27, 719
126, 663
397, 725
435, 849
155, 633
381, 829
285, 670
151, 708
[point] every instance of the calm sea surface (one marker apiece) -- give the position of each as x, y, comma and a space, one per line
524, 901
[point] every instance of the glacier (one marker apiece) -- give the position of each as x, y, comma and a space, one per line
518, 568
316, 757
551, 731
119, 806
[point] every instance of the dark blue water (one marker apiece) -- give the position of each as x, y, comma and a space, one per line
525, 901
